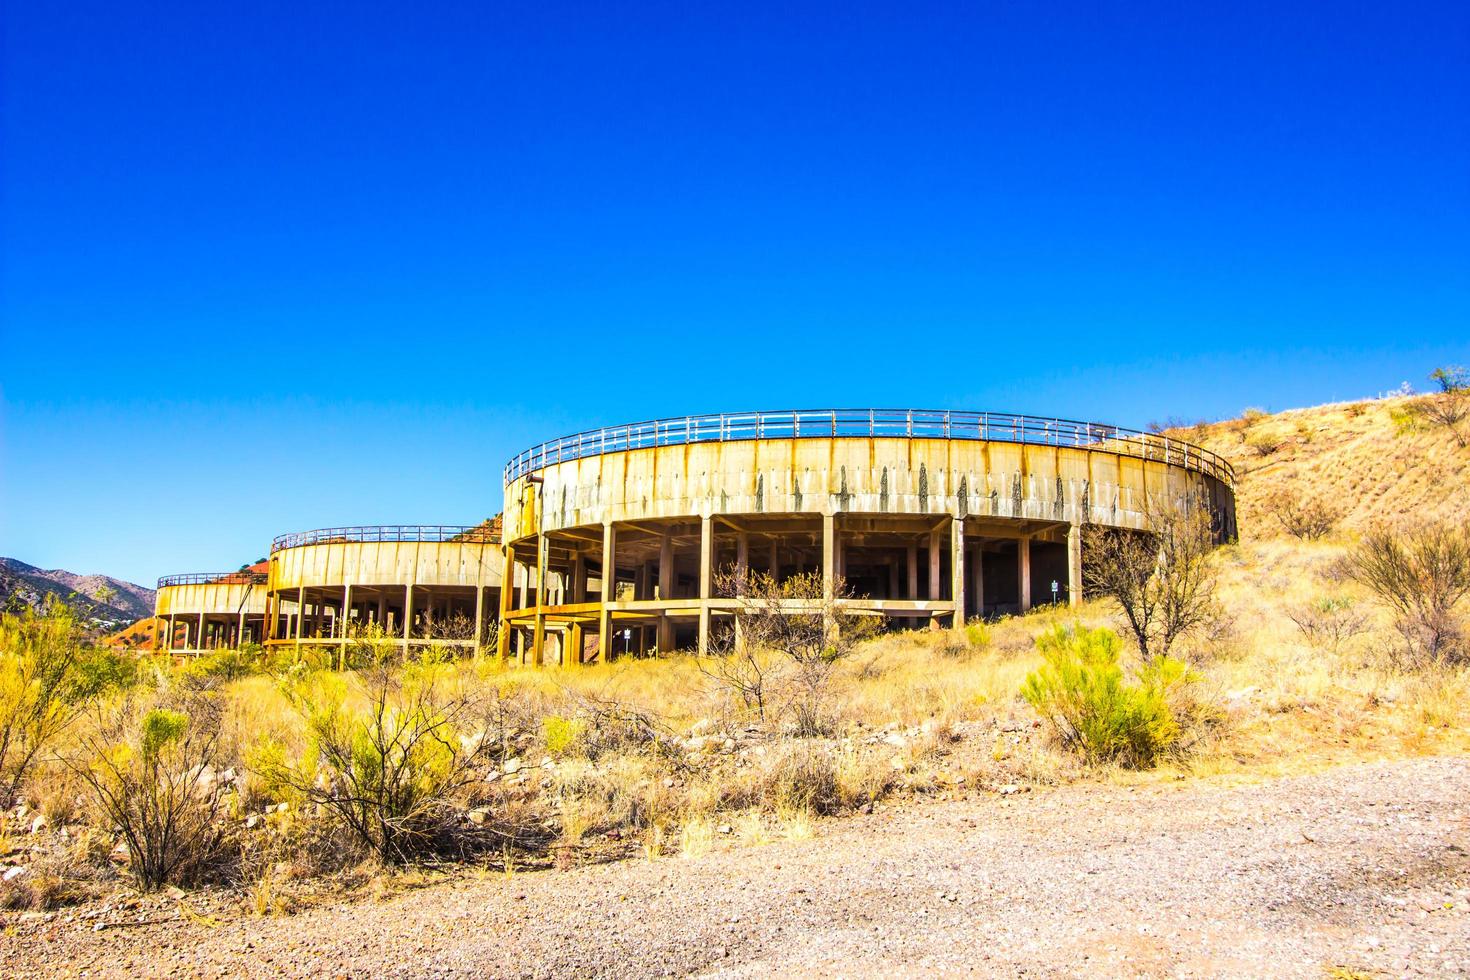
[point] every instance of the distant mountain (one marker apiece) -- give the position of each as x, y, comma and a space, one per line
107, 601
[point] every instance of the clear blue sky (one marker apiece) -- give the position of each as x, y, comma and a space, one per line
269, 267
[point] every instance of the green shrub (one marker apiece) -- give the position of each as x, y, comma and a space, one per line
978, 634
387, 751
561, 734
150, 769
1093, 709
42, 690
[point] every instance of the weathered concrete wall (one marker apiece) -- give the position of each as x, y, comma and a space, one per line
852, 475
429, 563
211, 598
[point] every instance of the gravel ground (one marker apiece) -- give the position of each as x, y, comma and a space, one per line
1363, 867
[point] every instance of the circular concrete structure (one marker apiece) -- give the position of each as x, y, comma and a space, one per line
927, 515
216, 610
427, 584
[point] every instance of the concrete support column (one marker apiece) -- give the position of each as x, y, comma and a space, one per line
240, 632
957, 570
742, 554
1074, 565
407, 616
609, 592
775, 561
977, 579
170, 644
829, 555
666, 567
346, 618
538, 638
1023, 572
934, 587
507, 594
913, 570
571, 652
579, 578
706, 577
300, 614
479, 619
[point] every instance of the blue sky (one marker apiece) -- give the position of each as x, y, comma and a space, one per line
269, 267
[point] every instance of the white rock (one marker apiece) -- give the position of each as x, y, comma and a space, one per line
13, 873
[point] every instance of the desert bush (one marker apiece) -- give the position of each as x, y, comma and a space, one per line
43, 687
1329, 622
1253, 415
561, 735
387, 751
801, 619
1449, 408
1092, 709
1162, 579
1422, 574
149, 765
1307, 519
1264, 443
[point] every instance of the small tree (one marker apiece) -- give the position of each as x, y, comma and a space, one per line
1422, 574
42, 688
1307, 519
1449, 408
804, 624
386, 751
1162, 579
150, 769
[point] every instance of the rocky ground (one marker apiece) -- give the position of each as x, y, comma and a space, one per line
1363, 868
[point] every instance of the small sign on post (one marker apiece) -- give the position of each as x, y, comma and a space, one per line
1054, 588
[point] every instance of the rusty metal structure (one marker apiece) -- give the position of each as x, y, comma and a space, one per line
427, 585
215, 610
612, 536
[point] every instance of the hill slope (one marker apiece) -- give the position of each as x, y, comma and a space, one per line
107, 600
1357, 458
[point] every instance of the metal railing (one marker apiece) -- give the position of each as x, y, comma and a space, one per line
901, 423
213, 578
479, 534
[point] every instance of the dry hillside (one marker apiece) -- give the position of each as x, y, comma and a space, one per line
1358, 458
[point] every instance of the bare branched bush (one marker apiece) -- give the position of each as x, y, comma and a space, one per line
455, 626
1330, 622
1162, 579
1449, 408
43, 687
804, 625
388, 749
1307, 519
1421, 574
150, 766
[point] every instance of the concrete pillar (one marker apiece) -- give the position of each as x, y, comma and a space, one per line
1023, 572
170, 644
346, 618
829, 555
1074, 565
774, 560
957, 570
572, 651
240, 632
977, 580
407, 616
666, 567
507, 594
300, 613
609, 592
579, 577
538, 638
913, 569
742, 554
706, 579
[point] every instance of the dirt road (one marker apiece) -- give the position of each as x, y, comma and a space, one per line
1364, 867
